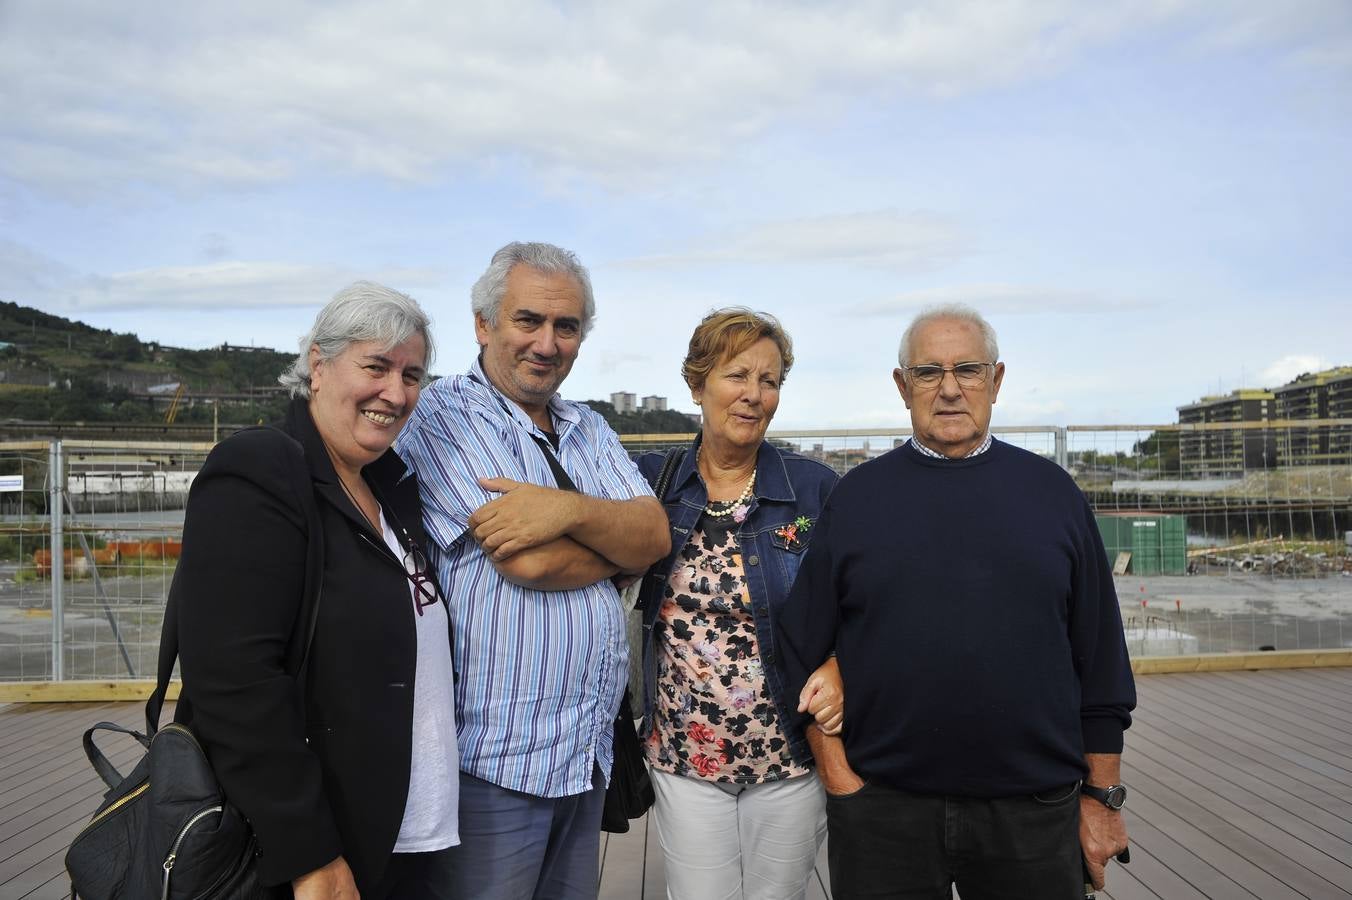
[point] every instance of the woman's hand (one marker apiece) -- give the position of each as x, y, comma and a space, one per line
332, 882
824, 697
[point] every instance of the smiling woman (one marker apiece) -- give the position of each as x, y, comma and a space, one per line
349, 774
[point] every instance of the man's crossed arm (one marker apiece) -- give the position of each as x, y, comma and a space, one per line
551, 539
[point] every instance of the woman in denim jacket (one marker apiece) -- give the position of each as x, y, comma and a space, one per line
739, 812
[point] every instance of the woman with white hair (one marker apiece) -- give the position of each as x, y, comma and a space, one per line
347, 770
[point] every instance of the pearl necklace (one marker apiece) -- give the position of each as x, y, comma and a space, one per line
728, 507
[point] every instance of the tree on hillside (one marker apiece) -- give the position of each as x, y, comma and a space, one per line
1159, 451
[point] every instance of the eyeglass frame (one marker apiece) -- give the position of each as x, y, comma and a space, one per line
418, 572
953, 369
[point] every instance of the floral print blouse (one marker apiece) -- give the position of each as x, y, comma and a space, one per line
714, 717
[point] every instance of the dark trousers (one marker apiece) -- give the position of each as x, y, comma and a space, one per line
885, 843
416, 876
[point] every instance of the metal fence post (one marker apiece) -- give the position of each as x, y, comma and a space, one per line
1059, 436
56, 484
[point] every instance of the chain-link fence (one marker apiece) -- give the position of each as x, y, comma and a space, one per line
1223, 538
86, 557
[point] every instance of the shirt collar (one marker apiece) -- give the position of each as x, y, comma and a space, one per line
934, 454
772, 475
564, 415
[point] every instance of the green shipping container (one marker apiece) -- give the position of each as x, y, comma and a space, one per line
1158, 544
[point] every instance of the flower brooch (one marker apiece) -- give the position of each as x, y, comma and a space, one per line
790, 533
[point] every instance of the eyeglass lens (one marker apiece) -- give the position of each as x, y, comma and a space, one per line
967, 374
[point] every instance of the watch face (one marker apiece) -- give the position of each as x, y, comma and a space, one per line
1115, 797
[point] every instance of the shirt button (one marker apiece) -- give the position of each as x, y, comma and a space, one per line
753, 561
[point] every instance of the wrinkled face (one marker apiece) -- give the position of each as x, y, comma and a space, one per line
364, 395
531, 349
740, 396
948, 417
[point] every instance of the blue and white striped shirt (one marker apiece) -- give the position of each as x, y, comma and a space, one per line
539, 673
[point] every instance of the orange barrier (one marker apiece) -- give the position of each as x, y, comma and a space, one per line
152, 549
72, 562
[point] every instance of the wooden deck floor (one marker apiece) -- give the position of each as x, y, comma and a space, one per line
1241, 787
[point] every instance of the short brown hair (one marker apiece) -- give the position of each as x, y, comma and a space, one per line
723, 334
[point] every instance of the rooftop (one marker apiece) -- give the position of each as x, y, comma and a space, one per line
1241, 786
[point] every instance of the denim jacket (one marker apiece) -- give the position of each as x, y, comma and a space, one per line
788, 486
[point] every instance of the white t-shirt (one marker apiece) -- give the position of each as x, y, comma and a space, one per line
431, 820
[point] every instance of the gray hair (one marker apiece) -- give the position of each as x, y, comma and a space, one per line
487, 293
363, 311
957, 311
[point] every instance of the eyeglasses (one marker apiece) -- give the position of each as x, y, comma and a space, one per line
967, 374
424, 585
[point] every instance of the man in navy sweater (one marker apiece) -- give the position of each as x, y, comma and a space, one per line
962, 584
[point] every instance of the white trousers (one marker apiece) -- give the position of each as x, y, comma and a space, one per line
738, 842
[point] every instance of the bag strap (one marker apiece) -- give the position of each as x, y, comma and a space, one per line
652, 577
107, 771
669, 466
561, 477
298, 653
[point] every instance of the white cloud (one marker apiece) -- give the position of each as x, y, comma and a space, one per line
1288, 367
999, 299
252, 92
30, 278
890, 239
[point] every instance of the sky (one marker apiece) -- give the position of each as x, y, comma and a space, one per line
1150, 200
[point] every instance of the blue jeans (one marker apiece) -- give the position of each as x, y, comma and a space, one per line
515, 846
888, 843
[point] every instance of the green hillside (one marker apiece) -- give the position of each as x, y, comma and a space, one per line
57, 369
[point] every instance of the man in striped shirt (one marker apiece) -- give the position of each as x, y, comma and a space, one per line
532, 507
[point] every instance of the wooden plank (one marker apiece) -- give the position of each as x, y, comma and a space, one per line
1333, 691
1299, 752
1168, 836
1293, 692
1280, 856
1241, 787
1229, 662
1251, 769
1332, 729
81, 691
1318, 828
622, 862
1124, 885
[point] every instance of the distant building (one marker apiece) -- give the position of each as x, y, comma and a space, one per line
624, 402
1314, 396
1269, 440
654, 403
1227, 452
1340, 407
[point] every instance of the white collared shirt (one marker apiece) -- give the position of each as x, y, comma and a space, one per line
934, 454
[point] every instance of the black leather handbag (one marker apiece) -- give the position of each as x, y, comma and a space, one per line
166, 829
630, 792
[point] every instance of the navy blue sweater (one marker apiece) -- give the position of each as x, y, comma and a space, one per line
973, 614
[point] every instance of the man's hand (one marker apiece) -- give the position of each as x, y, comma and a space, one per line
832, 767
1103, 835
525, 516
824, 697
332, 882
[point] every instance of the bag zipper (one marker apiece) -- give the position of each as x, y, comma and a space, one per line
178, 842
139, 789
121, 801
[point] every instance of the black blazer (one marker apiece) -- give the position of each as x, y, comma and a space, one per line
320, 769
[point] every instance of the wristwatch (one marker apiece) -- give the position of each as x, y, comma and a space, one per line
1113, 796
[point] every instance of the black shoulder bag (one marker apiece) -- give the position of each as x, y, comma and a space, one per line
166, 830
